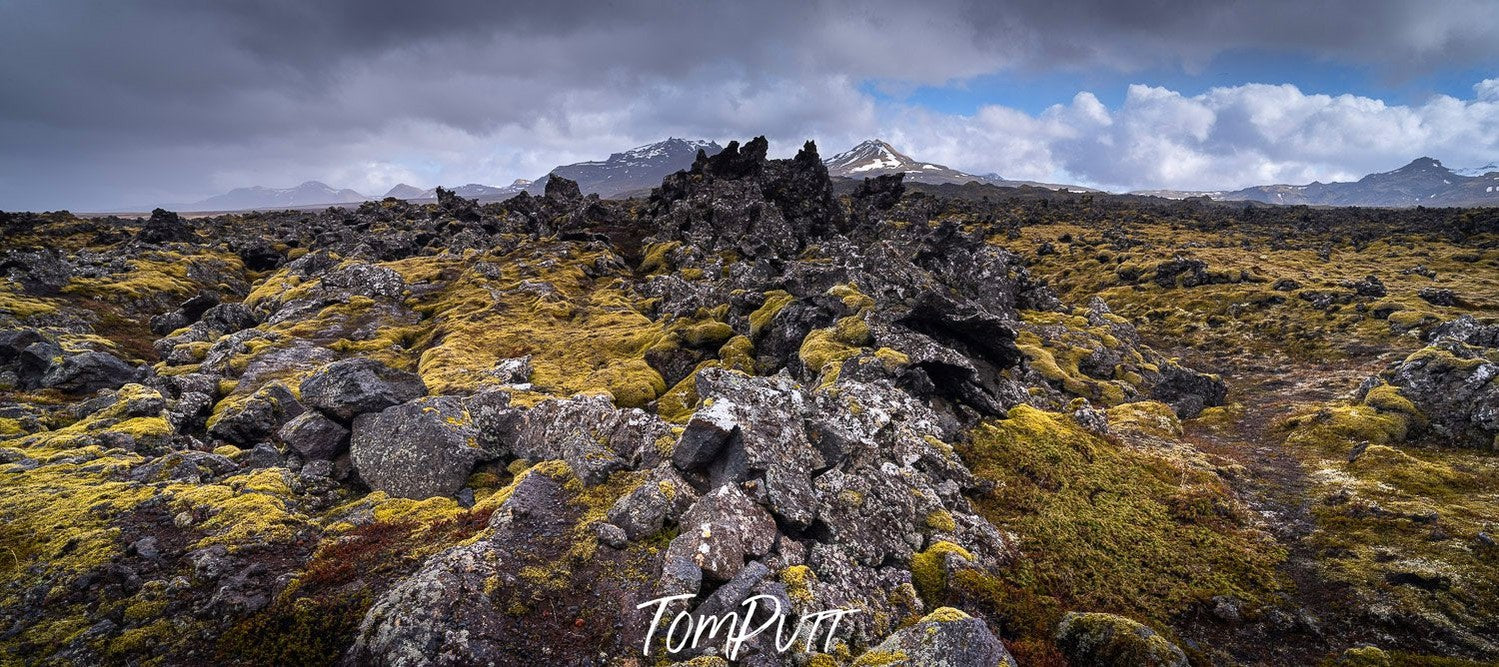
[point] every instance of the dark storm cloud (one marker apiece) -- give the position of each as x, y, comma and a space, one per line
119, 103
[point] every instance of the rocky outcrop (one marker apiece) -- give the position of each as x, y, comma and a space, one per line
315, 436
1452, 382
595, 438
758, 207
443, 615
247, 420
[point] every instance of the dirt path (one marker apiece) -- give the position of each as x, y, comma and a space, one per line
1317, 617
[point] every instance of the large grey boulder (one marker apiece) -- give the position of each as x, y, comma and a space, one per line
419, 449
1453, 383
753, 428
945, 637
344, 389
359, 279
88, 372
444, 614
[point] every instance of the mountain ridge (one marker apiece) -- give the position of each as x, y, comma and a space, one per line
633, 170
308, 193
1424, 181
876, 157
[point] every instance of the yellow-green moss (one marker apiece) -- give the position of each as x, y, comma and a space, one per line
1337, 427
22, 307
632, 382
679, 402
584, 332
1060, 366
945, 615
941, 520
1119, 640
1153, 417
825, 350
1096, 520
798, 580
881, 659
154, 276
927, 572
655, 256
10, 427
61, 517
1386, 398
892, 359
738, 354
775, 300
850, 295
707, 333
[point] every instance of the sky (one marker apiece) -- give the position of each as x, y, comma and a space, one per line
135, 103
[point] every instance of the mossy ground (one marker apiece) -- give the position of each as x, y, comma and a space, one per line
1143, 524
1107, 527
1252, 316
1385, 545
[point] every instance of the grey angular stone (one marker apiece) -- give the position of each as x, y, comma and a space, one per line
344, 389
498, 424
444, 613
950, 638
89, 372
721, 530
594, 437
419, 449
644, 511
366, 280
255, 418
704, 436
610, 535
315, 436
263, 455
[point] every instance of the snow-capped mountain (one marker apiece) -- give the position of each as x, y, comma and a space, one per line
877, 157
311, 193
487, 192
635, 170
1489, 168
1423, 182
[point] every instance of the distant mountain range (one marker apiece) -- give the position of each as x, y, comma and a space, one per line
311, 193
1423, 182
470, 191
634, 172
876, 157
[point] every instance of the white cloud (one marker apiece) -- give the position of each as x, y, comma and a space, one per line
130, 102
1488, 90
1227, 137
